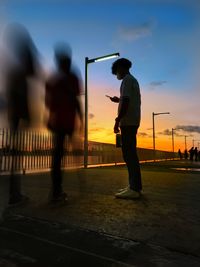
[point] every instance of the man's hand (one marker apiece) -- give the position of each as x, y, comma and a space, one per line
116, 126
114, 99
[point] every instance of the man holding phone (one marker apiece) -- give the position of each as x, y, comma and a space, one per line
128, 121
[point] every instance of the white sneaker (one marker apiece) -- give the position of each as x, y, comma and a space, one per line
124, 189
128, 194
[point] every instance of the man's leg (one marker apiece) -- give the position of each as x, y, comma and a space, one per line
129, 150
15, 180
58, 142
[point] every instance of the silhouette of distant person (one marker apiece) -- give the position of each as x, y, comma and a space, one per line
180, 154
196, 154
23, 66
191, 151
61, 98
186, 154
128, 121
199, 155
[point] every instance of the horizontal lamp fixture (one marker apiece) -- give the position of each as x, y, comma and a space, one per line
97, 59
160, 113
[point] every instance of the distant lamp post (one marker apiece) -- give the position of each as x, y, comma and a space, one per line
88, 61
186, 142
195, 141
173, 139
154, 137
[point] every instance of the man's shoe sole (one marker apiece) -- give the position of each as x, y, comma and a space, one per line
128, 197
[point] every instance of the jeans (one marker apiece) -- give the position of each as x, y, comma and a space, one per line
15, 180
129, 150
58, 150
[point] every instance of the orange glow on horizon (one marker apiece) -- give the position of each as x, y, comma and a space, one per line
106, 135
103, 112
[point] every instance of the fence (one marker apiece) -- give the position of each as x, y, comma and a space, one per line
32, 150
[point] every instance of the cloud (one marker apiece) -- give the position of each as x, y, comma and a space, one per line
157, 84
143, 134
188, 128
96, 129
132, 33
91, 116
166, 132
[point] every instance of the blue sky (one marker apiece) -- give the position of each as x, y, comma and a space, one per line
161, 37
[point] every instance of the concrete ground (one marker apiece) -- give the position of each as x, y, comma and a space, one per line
95, 229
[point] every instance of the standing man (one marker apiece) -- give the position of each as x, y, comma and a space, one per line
61, 99
128, 121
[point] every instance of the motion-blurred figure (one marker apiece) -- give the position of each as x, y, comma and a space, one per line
191, 151
186, 154
23, 66
180, 154
196, 154
62, 100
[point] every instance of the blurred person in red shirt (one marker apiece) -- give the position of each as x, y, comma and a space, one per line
62, 100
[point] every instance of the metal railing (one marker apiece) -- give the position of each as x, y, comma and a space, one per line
32, 150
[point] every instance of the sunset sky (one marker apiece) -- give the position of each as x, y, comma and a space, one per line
160, 37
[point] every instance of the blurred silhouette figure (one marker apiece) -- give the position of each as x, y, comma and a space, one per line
199, 155
191, 151
186, 154
196, 154
23, 66
180, 154
61, 99
128, 120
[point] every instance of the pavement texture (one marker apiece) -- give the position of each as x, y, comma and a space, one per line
95, 229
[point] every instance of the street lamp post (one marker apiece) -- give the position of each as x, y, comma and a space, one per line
86, 116
173, 140
195, 141
185, 142
88, 61
154, 137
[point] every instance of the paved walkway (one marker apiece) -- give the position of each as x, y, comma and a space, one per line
95, 229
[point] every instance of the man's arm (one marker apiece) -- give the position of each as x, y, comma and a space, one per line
47, 95
77, 90
123, 108
122, 113
79, 109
